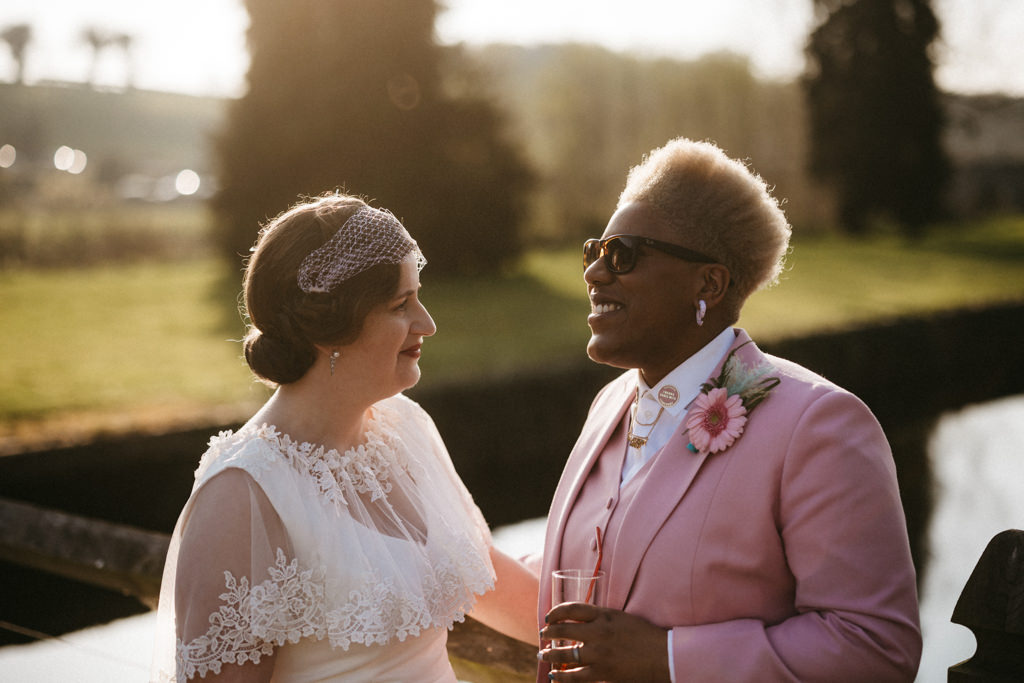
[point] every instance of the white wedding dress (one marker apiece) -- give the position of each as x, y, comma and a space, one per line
337, 566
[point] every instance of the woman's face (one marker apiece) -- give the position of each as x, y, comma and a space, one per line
643, 318
386, 354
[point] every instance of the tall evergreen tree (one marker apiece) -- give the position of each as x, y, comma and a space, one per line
875, 112
356, 94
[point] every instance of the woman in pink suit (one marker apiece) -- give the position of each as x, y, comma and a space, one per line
744, 509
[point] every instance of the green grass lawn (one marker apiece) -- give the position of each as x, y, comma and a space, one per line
122, 345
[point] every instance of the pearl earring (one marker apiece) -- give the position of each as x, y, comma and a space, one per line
334, 356
702, 309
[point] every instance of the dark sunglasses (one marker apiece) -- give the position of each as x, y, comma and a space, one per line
619, 252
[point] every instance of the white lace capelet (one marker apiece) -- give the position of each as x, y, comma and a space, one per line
281, 541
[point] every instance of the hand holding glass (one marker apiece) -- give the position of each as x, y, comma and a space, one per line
574, 585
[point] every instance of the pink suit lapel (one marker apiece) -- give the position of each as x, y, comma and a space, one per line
601, 423
672, 472
670, 476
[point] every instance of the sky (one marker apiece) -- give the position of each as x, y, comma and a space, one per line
198, 46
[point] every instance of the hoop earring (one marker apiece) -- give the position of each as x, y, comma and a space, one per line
334, 356
702, 309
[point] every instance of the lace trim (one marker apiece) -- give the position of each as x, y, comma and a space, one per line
289, 606
284, 608
295, 601
366, 468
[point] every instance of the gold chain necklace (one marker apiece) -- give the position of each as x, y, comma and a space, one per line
639, 441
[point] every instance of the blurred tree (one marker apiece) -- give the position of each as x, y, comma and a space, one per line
125, 43
355, 94
586, 114
587, 103
17, 37
98, 41
875, 114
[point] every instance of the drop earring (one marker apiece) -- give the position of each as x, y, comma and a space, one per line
702, 309
334, 356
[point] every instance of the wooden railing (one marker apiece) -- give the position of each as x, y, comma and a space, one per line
100, 553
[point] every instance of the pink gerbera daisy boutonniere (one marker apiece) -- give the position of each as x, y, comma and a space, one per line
719, 413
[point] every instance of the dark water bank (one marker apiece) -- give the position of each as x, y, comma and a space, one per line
509, 440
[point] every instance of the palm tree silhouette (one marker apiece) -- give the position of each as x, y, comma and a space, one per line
17, 37
124, 42
98, 41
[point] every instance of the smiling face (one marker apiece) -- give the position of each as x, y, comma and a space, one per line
644, 318
386, 354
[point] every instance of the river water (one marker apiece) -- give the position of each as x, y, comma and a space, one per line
977, 459
978, 464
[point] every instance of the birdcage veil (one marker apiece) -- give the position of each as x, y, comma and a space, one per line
368, 238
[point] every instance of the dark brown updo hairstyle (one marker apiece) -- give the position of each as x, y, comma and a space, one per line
286, 323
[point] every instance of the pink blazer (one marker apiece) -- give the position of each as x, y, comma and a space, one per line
782, 558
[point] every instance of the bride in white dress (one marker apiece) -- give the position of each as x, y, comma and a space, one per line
330, 538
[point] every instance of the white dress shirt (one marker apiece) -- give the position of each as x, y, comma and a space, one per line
684, 384
667, 415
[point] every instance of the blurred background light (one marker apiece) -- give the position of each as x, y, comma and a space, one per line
134, 186
164, 189
78, 162
187, 182
7, 156
63, 158
404, 91
73, 161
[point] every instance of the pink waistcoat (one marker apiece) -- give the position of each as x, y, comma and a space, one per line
602, 504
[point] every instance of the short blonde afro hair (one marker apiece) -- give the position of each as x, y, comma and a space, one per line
718, 206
